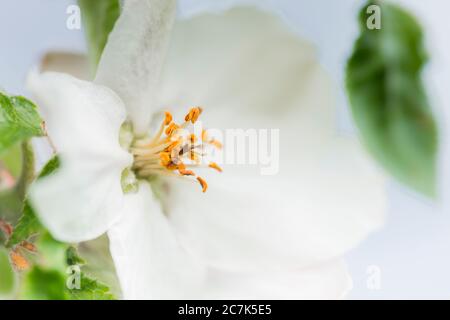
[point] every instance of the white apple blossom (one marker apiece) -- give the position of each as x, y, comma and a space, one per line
247, 236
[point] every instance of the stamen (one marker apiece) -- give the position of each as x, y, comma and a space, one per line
193, 115
203, 184
215, 166
171, 150
168, 118
215, 143
171, 128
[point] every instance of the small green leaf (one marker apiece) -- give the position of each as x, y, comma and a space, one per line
91, 289
27, 226
51, 167
7, 276
11, 160
19, 121
73, 258
98, 17
388, 99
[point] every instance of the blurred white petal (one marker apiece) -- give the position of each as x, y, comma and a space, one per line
135, 52
244, 66
326, 281
150, 262
84, 197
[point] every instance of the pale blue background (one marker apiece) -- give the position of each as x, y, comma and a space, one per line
412, 251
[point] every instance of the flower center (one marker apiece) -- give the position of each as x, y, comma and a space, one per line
174, 150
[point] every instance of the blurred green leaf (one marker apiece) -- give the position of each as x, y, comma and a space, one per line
47, 279
50, 167
43, 284
10, 205
29, 224
7, 277
388, 99
28, 169
91, 289
98, 17
19, 121
11, 160
73, 258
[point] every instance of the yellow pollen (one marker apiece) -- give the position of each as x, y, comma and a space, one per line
170, 151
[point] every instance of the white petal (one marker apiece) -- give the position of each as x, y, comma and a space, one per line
246, 70
326, 281
150, 262
248, 222
83, 120
74, 64
134, 55
327, 195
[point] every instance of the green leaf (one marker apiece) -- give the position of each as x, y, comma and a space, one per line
19, 121
73, 258
29, 225
10, 205
7, 276
43, 284
54, 259
91, 289
388, 99
47, 279
98, 17
50, 167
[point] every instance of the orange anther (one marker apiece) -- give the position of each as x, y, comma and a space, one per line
186, 172
215, 166
203, 184
193, 114
171, 128
172, 146
168, 118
